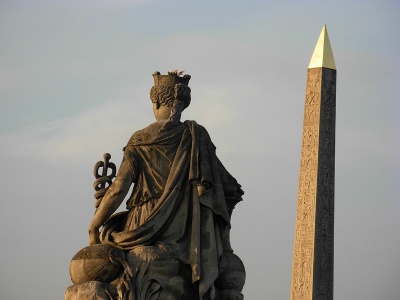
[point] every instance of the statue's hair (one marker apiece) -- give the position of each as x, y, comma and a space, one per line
177, 97
166, 95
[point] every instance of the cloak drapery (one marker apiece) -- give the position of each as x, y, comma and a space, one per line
181, 200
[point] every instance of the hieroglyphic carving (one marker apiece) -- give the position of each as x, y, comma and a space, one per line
314, 218
305, 218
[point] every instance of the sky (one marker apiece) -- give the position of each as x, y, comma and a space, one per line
75, 78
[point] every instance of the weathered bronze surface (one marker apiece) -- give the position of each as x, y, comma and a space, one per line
172, 242
312, 273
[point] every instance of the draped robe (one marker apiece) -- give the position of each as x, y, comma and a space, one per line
181, 200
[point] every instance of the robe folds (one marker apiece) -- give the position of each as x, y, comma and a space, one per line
181, 201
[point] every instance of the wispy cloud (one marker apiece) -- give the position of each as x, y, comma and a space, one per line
77, 139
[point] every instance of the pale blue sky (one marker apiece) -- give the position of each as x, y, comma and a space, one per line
74, 83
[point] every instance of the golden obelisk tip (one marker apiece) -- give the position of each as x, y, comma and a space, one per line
323, 56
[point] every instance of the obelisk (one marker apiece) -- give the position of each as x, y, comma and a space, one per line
312, 273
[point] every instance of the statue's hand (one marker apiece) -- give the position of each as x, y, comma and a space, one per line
94, 236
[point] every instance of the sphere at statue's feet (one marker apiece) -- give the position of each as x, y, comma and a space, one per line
96, 263
231, 281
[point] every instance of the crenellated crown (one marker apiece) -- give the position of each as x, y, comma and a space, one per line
173, 77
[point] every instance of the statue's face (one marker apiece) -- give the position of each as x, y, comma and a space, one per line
161, 112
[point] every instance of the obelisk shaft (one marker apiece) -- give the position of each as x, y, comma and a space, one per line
312, 273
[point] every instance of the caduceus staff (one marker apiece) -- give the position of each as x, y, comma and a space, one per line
103, 181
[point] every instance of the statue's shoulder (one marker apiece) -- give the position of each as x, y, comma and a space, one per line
200, 131
146, 134
193, 125
196, 127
